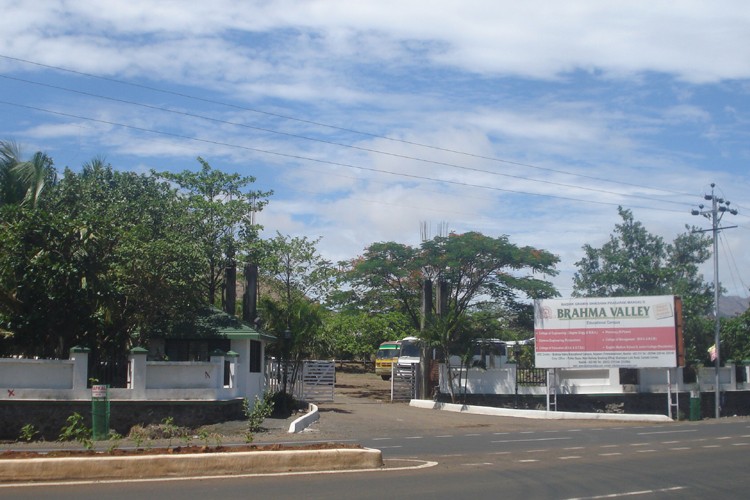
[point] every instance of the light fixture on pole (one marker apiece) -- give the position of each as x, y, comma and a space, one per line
719, 207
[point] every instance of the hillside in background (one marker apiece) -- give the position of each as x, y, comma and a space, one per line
733, 306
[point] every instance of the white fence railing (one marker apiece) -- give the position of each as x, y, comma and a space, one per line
593, 381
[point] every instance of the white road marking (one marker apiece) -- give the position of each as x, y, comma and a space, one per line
631, 493
530, 440
666, 432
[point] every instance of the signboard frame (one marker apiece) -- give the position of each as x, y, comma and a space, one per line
609, 332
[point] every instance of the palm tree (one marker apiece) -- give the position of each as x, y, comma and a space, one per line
22, 182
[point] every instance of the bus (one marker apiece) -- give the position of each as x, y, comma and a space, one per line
387, 354
409, 353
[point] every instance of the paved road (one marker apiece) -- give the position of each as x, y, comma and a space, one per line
470, 455
653, 461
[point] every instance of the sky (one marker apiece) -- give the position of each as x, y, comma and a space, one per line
371, 120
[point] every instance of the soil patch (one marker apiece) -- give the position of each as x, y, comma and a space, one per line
177, 450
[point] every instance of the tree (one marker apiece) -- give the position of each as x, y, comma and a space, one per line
106, 261
636, 262
296, 275
357, 334
476, 270
735, 337
224, 210
22, 182
295, 268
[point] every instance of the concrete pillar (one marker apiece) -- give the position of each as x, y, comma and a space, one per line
232, 358
732, 374
80, 356
137, 372
217, 358
242, 366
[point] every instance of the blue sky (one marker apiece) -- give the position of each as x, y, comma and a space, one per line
528, 119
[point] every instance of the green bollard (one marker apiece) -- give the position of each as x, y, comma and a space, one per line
99, 412
695, 406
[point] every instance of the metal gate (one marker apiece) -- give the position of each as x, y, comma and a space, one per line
404, 381
312, 381
318, 381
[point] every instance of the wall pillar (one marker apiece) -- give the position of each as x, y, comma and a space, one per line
137, 372
217, 357
80, 357
232, 358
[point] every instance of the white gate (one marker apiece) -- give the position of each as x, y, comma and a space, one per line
318, 381
314, 381
404, 381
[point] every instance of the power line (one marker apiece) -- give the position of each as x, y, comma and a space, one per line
334, 127
317, 160
333, 143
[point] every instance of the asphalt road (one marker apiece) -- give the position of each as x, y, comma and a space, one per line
432, 454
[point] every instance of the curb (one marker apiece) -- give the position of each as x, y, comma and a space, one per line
195, 465
539, 414
306, 420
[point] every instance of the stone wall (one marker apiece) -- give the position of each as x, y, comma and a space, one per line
48, 417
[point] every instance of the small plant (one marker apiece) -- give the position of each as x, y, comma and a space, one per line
261, 410
204, 436
187, 439
170, 430
76, 430
138, 435
28, 432
115, 439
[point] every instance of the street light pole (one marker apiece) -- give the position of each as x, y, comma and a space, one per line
719, 206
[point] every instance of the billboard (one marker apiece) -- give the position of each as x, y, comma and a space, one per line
610, 332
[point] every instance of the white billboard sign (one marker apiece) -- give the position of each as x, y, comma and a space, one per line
611, 332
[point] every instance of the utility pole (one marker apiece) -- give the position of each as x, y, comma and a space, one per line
719, 207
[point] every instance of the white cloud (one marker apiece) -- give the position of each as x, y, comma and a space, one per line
648, 95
